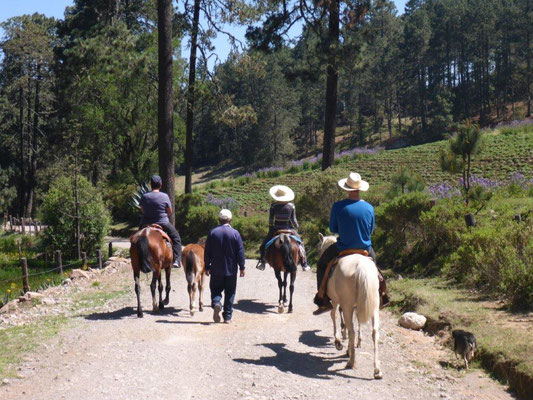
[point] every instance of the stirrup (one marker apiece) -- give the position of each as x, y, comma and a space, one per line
260, 265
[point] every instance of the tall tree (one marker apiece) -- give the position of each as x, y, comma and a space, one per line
165, 124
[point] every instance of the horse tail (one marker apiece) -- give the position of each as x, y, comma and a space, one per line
190, 262
145, 258
367, 287
286, 254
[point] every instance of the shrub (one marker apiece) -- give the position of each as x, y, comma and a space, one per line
200, 220
252, 229
58, 211
117, 199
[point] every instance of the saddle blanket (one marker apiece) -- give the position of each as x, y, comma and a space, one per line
267, 245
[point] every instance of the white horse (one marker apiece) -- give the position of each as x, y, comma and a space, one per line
354, 286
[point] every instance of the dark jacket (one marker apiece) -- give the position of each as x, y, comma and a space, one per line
282, 216
224, 251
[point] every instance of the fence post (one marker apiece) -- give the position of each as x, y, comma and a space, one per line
12, 221
110, 250
22, 226
25, 284
83, 259
35, 225
19, 246
59, 261
99, 258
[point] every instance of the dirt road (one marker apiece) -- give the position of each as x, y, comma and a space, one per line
111, 354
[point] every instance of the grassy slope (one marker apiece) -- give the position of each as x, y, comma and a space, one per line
500, 156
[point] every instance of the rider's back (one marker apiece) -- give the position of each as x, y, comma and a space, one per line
155, 206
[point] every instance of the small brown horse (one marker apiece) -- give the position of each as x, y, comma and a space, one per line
192, 259
284, 255
151, 253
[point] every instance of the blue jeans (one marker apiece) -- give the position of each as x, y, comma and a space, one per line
228, 285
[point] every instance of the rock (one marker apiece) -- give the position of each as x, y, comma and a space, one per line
48, 301
411, 320
79, 274
11, 306
33, 295
5, 381
67, 282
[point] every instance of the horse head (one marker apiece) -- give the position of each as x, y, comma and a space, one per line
325, 242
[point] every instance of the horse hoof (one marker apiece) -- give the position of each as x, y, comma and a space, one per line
140, 314
358, 345
281, 309
378, 374
290, 310
338, 345
200, 308
192, 313
161, 306
349, 365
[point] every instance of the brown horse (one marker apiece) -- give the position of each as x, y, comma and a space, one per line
151, 253
283, 255
192, 259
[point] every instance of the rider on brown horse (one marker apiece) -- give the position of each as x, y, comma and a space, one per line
282, 216
353, 220
155, 209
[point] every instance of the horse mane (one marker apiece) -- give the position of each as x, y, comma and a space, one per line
143, 248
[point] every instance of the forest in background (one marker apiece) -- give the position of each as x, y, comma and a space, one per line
79, 95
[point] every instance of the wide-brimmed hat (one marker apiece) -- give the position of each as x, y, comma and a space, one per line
281, 193
353, 182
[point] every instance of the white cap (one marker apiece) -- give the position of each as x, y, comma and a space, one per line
224, 214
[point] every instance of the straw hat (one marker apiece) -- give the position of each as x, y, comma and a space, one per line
353, 182
282, 193
224, 215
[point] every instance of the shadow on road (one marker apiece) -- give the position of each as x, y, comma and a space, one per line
303, 364
311, 339
128, 312
182, 322
253, 307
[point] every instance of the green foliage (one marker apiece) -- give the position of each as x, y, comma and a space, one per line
7, 191
405, 181
117, 198
58, 211
252, 229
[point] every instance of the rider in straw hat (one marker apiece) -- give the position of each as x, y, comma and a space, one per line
282, 216
353, 220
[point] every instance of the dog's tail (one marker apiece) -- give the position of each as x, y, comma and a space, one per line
145, 258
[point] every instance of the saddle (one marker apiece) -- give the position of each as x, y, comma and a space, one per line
383, 298
280, 232
158, 228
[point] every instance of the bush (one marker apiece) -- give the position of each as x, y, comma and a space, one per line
200, 220
252, 229
58, 212
117, 199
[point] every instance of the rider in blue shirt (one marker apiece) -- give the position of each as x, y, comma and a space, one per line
353, 220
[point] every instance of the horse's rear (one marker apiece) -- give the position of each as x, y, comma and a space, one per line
283, 255
150, 253
192, 259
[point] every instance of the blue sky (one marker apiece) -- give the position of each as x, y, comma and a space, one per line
56, 8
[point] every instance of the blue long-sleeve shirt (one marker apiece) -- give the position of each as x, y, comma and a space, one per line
224, 251
353, 220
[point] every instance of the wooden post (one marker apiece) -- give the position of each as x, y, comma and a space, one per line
110, 252
12, 223
22, 226
59, 261
84, 259
99, 258
25, 284
35, 227
19, 246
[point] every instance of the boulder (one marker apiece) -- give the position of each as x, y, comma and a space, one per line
11, 306
411, 320
79, 274
33, 295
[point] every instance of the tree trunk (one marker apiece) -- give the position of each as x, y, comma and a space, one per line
21, 149
528, 55
190, 100
330, 119
34, 146
165, 131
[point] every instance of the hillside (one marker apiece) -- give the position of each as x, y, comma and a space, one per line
502, 154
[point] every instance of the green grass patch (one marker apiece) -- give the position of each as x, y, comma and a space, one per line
505, 339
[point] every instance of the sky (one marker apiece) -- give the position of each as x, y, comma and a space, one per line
56, 8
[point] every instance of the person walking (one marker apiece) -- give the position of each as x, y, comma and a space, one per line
155, 209
224, 254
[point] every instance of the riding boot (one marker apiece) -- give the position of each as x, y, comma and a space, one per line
303, 258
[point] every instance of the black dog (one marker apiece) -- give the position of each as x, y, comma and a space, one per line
464, 344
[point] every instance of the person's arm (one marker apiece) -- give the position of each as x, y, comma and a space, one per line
207, 255
271, 215
333, 226
294, 221
373, 221
168, 207
240, 253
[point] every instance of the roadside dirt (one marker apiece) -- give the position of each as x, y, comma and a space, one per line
108, 353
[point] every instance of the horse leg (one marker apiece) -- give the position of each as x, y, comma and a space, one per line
351, 336
285, 274
192, 294
200, 290
167, 286
375, 337
138, 293
343, 325
338, 343
160, 288
280, 286
291, 289
155, 307
358, 334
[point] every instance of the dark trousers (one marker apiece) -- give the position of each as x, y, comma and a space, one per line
329, 254
228, 285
